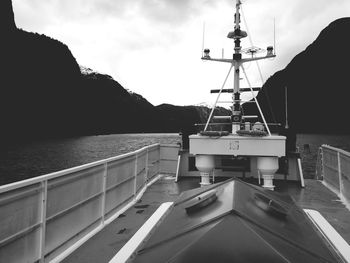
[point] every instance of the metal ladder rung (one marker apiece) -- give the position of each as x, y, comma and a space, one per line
229, 117
225, 101
230, 101
222, 117
248, 89
223, 91
213, 123
249, 117
231, 90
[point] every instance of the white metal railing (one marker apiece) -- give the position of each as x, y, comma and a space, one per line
333, 168
45, 218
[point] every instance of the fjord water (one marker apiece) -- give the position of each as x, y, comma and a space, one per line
18, 162
36, 158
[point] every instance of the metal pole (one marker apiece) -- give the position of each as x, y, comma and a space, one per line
135, 177
43, 221
274, 36
103, 199
301, 173
178, 168
146, 167
256, 101
236, 111
286, 98
339, 174
212, 110
203, 38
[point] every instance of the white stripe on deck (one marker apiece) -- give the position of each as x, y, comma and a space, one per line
331, 235
128, 250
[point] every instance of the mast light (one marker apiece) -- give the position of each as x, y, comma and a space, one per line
269, 51
206, 53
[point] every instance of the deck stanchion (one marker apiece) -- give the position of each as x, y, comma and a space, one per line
43, 221
301, 173
319, 175
103, 199
158, 167
146, 167
178, 168
322, 162
135, 177
339, 174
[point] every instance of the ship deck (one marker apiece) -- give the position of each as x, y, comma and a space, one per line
105, 244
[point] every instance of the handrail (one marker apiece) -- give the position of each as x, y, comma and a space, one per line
30, 181
326, 146
229, 123
335, 171
62, 210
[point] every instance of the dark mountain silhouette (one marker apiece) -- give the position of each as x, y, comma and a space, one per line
44, 93
39, 77
317, 79
184, 117
7, 17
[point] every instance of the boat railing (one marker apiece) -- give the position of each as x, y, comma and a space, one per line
45, 218
222, 126
333, 167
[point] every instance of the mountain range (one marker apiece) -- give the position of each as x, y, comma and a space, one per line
316, 83
44, 92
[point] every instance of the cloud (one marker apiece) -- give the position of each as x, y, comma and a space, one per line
160, 11
152, 46
303, 11
134, 24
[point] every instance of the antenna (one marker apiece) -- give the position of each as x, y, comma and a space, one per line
274, 36
286, 104
203, 38
252, 50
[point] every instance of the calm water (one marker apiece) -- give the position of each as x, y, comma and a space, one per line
38, 158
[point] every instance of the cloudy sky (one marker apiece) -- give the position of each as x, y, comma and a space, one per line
153, 47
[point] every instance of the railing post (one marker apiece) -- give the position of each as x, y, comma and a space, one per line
43, 220
135, 176
103, 199
159, 160
322, 163
339, 173
146, 166
318, 168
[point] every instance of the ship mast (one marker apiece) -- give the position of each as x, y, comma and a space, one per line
209, 147
237, 62
237, 34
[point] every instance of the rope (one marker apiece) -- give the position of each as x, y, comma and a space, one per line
213, 108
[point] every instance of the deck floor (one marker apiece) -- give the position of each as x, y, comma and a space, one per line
104, 245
